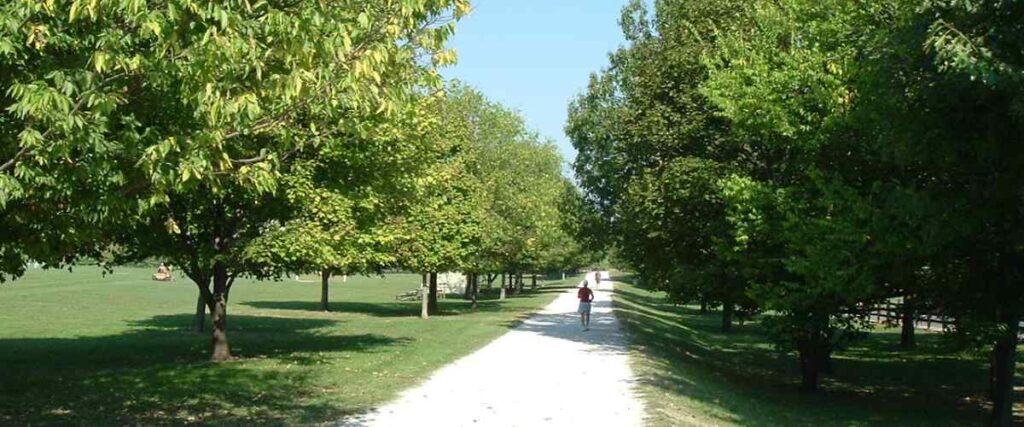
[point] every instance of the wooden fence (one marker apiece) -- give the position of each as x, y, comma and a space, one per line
890, 313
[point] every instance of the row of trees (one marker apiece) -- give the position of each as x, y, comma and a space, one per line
237, 138
811, 159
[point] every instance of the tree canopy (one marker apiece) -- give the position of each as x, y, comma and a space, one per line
813, 159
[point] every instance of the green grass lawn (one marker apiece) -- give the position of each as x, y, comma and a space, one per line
81, 348
693, 374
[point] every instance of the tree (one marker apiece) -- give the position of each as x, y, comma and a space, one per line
344, 204
804, 223
513, 185
196, 112
653, 148
976, 47
439, 231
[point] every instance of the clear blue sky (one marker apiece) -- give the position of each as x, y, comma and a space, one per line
536, 55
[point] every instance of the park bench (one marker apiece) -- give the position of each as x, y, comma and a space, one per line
443, 290
410, 295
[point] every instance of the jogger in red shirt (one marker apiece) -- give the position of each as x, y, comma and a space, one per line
586, 296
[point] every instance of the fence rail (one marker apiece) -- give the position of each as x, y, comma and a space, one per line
892, 314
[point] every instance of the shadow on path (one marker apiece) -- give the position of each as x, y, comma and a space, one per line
604, 334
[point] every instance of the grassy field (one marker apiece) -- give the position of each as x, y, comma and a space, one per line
693, 374
81, 348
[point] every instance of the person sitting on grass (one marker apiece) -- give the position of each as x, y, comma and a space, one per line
586, 296
163, 273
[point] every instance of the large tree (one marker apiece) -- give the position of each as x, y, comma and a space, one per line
652, 150
195, 112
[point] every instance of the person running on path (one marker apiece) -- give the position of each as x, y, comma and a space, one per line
586, 296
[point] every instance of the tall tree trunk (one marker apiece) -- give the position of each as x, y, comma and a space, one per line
432, 300
502, 295
468, 290
1004, 357
475, 285
563, 275
325, 286
219, 311
503, 285
809, 369
519, 283
727, 311
424, 311
825, 362
199, 321
703, 306
490, 280
533, 281
907, 339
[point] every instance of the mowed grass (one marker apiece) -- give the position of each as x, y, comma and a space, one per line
86, 349
693, 374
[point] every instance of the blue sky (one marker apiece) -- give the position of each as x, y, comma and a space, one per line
536, 55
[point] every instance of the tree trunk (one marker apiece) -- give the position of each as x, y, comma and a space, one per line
325, 285
907, 339
519, 283
219, 311
825, 363
502, 295
490, 280
468, 291
424, 311
809, 369
503, 280
563, 275
475, 285
727, 310
1004, 355
533, 281
703, 304
199, 321
432, 300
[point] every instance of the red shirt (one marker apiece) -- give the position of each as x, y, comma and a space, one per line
585, 295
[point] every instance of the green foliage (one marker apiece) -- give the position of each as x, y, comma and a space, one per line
193, 125
492, 197
653, 150
816, 158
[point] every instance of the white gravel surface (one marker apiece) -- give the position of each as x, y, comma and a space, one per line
545, 372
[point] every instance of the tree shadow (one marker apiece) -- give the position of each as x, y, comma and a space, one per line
383, 309
158, 373
743, 380
603, 336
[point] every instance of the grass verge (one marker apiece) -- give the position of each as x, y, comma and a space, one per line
690, 373
86, 349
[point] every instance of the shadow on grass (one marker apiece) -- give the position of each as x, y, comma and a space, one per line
737, 378
158, 374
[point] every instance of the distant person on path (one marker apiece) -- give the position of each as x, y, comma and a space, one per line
586, 296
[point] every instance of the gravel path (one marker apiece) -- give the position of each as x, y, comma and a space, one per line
547, 371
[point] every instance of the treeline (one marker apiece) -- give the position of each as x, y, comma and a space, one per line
238, 138
811, 159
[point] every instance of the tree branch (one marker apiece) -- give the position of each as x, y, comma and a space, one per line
78, 105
